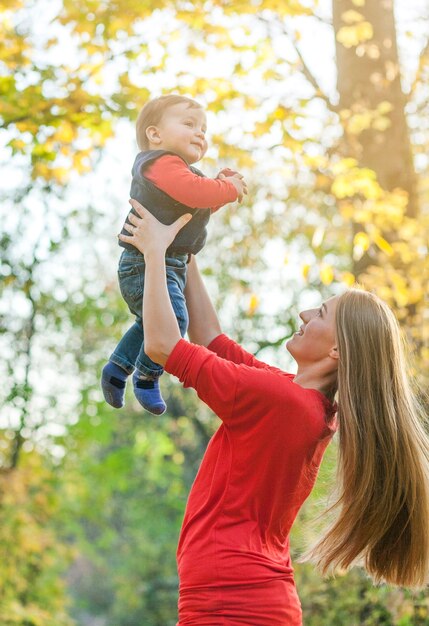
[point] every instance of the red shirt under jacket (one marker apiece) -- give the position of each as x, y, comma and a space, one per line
171, 174
258, 469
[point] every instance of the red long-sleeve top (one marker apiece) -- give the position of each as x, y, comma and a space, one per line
171, 174
258, 469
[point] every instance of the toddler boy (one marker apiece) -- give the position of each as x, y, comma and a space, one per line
171, 136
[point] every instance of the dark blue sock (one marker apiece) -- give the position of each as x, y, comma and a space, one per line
113, 381
148, 393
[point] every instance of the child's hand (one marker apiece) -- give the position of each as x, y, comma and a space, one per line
239, 183
226, 172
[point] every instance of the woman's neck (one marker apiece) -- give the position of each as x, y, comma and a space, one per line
318, 376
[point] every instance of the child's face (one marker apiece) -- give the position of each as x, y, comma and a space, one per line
182, 130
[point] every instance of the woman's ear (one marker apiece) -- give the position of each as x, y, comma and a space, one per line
153, 135
334, 354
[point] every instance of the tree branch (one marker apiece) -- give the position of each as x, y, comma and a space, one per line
311, 78
323, 20
424, 53
305, 69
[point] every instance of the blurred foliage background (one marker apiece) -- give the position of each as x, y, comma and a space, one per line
323, 105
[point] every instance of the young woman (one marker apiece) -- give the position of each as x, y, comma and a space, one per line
260, 466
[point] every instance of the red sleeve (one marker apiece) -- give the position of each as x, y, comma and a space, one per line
171, 174
242, 396
213, 378
232, 351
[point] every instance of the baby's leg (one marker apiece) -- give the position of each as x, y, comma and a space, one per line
148, 393
146, 384
113, 383
121, 365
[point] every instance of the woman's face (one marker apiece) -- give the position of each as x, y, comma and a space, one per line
315, 341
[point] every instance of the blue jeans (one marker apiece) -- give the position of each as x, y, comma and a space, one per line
129, 353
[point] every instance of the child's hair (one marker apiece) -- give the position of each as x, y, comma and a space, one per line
383, 467
152, 112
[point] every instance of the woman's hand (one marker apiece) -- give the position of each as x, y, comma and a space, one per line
148, 234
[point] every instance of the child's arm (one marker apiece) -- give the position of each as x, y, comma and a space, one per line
170, 174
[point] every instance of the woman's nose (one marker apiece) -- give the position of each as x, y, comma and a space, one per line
306, 315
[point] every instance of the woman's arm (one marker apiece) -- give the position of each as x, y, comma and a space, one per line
203, 321
152, 238
161, 330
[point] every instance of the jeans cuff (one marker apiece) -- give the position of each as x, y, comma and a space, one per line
146, 370
126, 365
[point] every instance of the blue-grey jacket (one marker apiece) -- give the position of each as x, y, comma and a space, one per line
193, 236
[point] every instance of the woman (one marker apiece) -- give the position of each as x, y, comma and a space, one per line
260, 466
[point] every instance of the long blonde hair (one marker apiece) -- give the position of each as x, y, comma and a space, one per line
383, 465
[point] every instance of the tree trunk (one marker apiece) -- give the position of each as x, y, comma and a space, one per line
368, 75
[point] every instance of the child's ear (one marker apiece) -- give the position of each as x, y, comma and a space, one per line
152, 133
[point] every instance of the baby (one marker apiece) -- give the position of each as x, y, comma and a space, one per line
171, 136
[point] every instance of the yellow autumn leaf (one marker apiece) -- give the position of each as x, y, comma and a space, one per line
405, 253
383, 244
361, 240
348, 279
362, 216
401, 297
357, 181
365, 182
305, 271
365, 31
81, 162
322, 181
352, 36
342, 187
64, 133
28, 126
17, 145
351, 17
343, 165
347, 209
398, 281
280, 113
359, 122
385, 107
345, 114
253, 304
60, 174
326, 274
40, 169
415, 294
381, 123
